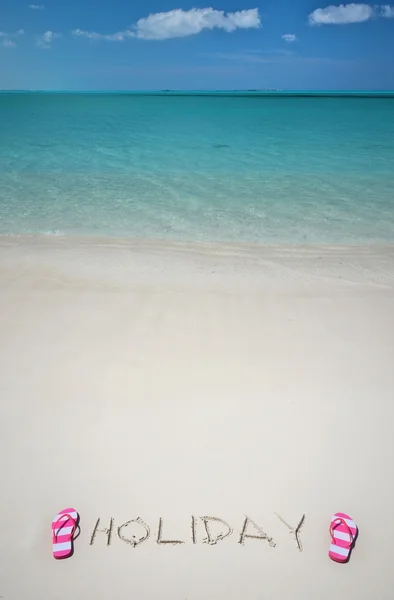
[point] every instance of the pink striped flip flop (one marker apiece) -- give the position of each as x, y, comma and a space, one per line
343, 531
63, 529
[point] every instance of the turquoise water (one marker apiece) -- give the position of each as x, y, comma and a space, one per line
267, 168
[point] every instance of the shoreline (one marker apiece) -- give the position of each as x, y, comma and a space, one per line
115, 241
123, 262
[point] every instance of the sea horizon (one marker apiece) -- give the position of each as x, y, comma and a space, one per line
263, 91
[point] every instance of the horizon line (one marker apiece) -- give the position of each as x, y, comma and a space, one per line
199, 91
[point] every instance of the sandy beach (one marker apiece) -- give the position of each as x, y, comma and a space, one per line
193, 393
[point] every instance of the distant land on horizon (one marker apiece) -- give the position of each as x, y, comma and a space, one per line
179, 92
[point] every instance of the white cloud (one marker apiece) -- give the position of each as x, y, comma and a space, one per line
289, 37
387, 11
120, 36
274, 58
36, 6
8, 43
9, 37
46, 39
181, 23
12, 35
342, 14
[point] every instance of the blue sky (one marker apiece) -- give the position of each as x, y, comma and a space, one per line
180, 44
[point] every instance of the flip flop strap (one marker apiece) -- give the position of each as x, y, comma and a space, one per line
336, 523
62, 524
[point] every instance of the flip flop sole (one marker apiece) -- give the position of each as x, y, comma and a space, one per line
342, 543
63, 528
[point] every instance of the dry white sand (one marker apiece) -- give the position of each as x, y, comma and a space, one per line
165, 382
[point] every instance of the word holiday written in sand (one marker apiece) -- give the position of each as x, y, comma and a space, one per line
249, 530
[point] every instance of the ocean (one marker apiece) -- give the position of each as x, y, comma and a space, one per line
270, 168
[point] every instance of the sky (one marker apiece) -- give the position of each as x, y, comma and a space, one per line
195, 45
